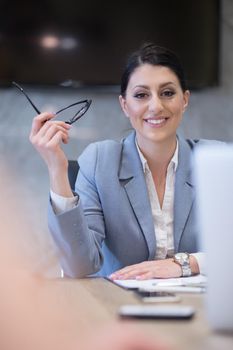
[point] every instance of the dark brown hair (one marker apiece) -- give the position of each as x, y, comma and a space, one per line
156, 56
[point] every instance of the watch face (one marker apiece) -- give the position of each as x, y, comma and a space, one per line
182, 257
183, 260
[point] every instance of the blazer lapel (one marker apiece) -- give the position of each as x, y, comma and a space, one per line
184, 191
132, 178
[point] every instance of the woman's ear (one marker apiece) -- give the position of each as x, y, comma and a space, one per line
186, 99
123, 105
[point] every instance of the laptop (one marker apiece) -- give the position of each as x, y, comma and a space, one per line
213, 174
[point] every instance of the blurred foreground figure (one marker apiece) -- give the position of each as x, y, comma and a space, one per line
32, 315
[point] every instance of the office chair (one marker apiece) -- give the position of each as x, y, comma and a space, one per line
73, 169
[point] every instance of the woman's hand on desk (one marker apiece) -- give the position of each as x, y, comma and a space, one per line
149, 269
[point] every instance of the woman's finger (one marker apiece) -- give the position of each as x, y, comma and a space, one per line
130, 273
51, 129
56, 139
39, 121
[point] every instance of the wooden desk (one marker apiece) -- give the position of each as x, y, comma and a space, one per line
96, 301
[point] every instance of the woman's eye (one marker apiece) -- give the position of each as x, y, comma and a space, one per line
168, 93
140, 95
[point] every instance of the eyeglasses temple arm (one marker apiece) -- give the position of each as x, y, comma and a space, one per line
29, 100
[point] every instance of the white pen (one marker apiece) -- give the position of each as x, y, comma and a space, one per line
177, 289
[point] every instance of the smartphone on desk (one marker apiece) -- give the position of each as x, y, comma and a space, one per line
156, 312
157, 296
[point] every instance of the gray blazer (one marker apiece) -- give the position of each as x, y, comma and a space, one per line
112, 225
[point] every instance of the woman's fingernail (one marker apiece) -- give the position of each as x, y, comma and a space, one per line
138, 277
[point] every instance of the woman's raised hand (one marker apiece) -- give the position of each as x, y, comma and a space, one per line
46, 136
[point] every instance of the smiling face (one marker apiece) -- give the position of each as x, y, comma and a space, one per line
154, 102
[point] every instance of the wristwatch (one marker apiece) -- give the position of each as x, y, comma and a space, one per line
183, 260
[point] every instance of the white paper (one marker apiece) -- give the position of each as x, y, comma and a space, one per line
193, 281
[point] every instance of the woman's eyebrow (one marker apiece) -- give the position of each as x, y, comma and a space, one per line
141, 86
168, 83
161, 85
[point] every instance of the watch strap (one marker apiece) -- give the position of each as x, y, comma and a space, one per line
184, 263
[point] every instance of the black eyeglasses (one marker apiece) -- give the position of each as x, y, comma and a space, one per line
78, 114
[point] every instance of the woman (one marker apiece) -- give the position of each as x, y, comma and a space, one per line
132, 215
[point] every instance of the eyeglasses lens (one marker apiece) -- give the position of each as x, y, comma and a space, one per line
73, 113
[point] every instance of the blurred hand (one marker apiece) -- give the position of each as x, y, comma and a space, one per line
36, 312
122, 336
166, 268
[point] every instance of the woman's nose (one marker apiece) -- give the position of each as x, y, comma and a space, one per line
155, 104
